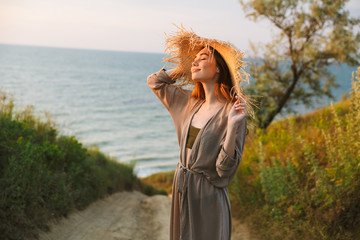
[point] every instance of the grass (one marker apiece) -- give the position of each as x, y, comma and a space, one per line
44, 175
162, 180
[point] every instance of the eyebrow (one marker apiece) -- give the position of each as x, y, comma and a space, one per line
203, 54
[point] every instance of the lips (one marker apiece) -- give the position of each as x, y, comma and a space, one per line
195, 70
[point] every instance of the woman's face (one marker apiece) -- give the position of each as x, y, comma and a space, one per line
204, 66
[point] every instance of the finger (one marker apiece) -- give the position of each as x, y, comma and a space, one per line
239, 109
239, 105
242, 99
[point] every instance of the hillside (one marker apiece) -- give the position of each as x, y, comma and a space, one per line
300, 178
44, 176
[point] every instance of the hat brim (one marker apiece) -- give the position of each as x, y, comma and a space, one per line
182, 47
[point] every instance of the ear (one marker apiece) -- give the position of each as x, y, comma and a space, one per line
217, 70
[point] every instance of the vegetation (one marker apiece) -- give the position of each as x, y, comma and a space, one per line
44, 175
162, 180
293, 68
300, 178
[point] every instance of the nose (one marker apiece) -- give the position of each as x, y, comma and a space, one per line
195, 63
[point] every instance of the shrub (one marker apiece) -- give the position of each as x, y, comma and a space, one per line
162, 180
300, 179
44, 175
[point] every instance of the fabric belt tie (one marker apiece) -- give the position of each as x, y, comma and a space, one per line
183, 179
184, 174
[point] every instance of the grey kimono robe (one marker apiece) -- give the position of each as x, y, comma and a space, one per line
200, 202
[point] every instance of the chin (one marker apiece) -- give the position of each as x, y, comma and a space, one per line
196, 78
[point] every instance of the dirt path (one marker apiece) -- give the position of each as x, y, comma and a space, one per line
123, 216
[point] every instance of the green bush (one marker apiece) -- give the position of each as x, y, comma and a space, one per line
161, 180
300, 179
44, 175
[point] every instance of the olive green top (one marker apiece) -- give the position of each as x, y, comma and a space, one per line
193, 132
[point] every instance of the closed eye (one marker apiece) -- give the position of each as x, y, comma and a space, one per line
203, 55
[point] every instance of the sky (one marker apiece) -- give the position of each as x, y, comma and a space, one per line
128, 25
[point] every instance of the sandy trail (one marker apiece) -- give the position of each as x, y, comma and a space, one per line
123, 216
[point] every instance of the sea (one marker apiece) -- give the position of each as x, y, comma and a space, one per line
102, 98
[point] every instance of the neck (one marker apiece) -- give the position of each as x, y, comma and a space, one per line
209, 89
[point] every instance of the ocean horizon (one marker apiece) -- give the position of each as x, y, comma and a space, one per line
101, 97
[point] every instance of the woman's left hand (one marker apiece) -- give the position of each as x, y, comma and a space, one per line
238, 111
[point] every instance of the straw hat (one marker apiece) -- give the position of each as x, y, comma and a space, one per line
182, 47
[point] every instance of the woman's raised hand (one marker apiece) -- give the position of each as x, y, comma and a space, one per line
169, 71
238, 111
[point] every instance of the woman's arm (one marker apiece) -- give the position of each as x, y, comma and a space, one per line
161, 84
236, 115
232, 148
172, 97
229, 143
231, 151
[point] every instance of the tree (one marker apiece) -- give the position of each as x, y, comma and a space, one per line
311, 35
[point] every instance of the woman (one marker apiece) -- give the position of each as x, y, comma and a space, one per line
211, 127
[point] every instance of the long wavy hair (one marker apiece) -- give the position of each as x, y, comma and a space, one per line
223, 86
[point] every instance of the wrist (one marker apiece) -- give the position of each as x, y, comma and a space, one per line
232, 124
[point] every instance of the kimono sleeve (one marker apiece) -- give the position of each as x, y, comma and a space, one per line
172, 97
226, 166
